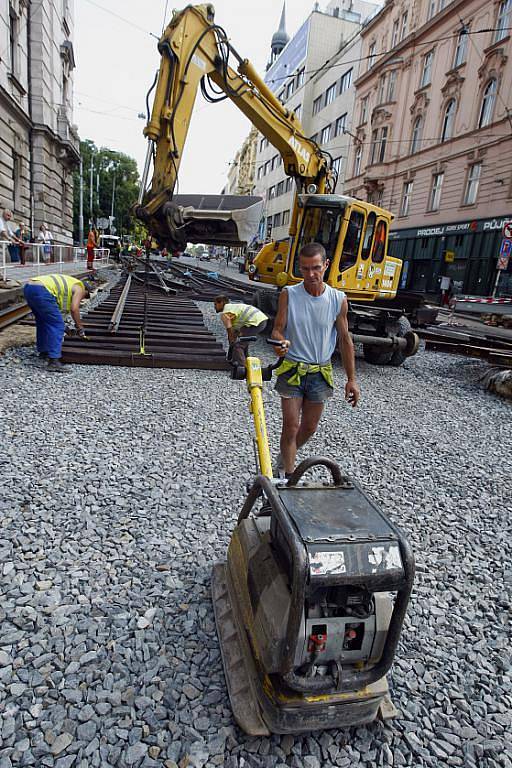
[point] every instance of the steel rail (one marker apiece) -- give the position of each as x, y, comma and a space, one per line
118, 311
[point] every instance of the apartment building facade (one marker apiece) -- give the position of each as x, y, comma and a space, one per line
313, 76
242, 169
433, 137
39, 145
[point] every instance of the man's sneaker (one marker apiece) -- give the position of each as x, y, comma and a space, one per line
278, 468
55, 366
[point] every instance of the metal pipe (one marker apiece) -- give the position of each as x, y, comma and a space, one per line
145, 173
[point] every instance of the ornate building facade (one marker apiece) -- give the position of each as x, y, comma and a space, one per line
432, 136
39, 146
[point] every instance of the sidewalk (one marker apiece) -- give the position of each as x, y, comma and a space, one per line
23, 274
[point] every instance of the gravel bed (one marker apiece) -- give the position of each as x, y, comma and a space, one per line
120, 489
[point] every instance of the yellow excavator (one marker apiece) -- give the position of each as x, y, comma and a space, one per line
196, 54
310, 602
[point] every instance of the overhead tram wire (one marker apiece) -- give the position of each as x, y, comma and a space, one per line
314, 72
122, 18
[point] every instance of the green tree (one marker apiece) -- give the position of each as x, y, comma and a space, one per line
107, 164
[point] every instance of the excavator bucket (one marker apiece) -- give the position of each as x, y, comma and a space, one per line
211, 219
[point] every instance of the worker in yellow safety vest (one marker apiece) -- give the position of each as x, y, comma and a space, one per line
239, 320
48, 297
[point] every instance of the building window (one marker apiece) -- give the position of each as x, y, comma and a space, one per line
330, 94
346, 81
281, 96
431, 9
426, 75
379, 141
382, 145
300, 77
364, 110
271, 192
448, 121
396, 32
336, 167
288, 184
487, 108
357, 161
417, 131
13, 40
325, 134
406, 198
460, 50
298, 111
273, 163
285, 218
16, 180
269, 227
435, 193
260, 172
503, 21
403, 29
340, 125
317, 105
472, 183
267, 167
277, 220
280, 189
392, 85
289, 89
381, 89
372, 55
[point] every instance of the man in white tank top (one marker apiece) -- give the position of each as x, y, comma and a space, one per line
310, 317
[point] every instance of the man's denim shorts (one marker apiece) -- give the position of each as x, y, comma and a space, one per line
313, 387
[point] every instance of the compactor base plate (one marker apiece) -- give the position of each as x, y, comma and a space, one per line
258, 706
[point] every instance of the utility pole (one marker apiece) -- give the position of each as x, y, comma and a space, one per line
91, 184
113, 200
81, 209
98, 189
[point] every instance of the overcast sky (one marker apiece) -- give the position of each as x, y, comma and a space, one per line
116, 63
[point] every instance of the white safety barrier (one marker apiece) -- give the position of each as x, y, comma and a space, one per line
40, 259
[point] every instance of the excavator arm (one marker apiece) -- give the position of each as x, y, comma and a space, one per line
196, 53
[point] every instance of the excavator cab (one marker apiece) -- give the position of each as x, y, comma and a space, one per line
354, 234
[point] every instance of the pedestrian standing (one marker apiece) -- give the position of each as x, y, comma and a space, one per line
92, 243
23, 238
48, 296
44, 240
8, 234
310, 316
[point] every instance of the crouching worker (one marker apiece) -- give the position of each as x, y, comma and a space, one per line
239, 320
48, 297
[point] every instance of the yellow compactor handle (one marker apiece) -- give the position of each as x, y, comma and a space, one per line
255, 388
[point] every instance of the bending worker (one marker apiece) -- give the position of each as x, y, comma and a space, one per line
239, 320
309, 317
48, 297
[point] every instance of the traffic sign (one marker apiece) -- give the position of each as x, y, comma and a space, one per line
507, 230
506, 247
503, 262
103, 223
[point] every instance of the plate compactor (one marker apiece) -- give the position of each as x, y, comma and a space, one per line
310, 602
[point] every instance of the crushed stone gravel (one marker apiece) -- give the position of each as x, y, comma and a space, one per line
120, 488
